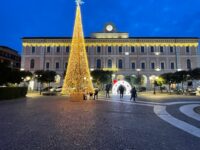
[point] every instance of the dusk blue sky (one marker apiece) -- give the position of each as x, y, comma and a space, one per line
29, 18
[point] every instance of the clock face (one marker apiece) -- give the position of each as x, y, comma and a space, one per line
109, 27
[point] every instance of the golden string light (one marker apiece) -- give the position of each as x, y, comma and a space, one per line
78, 79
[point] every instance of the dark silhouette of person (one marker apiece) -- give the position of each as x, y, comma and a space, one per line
121, 91
96, 91
107, 91
133, 94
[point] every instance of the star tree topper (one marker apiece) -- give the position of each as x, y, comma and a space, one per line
79, 2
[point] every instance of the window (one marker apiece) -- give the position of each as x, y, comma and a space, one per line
161, 49
132, 49
152, 49
47, 65
120, 49
133, 65
152, 65
98, 63
172, 66
87, 49
120, 64
187, 49
66, 64
57, 65
48, 49
142, 49
33, 49
67, 49
32, 64
109, 49
162, 65
171, 49
109, 63
143, 65
189, 64
98, 49
58, 49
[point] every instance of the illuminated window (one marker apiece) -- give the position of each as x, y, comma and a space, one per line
142, 49
120, 64
133, 65
32, 64
189, 66
109, 63
98, 63
33, 49
152, 65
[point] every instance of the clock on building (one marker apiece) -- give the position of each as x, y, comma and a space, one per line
109, 28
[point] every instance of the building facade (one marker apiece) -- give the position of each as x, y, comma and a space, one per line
116, 51
10, 56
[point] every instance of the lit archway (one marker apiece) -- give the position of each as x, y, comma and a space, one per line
125, 84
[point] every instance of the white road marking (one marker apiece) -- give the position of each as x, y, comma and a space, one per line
187, 102
161, 112
188, 110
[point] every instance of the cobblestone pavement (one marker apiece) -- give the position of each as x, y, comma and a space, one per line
45, 123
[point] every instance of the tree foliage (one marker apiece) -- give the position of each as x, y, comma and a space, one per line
45, 76
12, 76
102, 77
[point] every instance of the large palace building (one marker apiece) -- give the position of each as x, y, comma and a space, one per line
116, 51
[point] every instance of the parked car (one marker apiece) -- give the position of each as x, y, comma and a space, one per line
46, 89
58, 89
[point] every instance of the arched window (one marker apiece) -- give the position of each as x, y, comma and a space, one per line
109, 63
98, 63
32, 63
189, 64
120, 64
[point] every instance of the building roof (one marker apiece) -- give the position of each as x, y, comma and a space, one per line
114, 38
8, 48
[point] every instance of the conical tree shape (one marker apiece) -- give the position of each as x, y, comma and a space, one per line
78, 78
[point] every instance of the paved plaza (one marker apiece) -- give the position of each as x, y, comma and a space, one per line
159, 122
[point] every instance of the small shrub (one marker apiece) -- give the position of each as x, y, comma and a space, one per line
12, 92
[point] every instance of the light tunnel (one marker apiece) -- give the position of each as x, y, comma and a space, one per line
123, 83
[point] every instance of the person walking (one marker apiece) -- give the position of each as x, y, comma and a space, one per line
96, 91
133, 94
107, 91
121, 91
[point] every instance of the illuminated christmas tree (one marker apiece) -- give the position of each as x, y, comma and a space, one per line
78, 79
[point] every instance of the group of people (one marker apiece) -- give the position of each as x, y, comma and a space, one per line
94, 96
121, 92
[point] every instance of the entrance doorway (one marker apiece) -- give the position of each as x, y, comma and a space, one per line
123, 83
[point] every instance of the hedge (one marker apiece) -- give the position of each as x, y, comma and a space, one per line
12, 92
